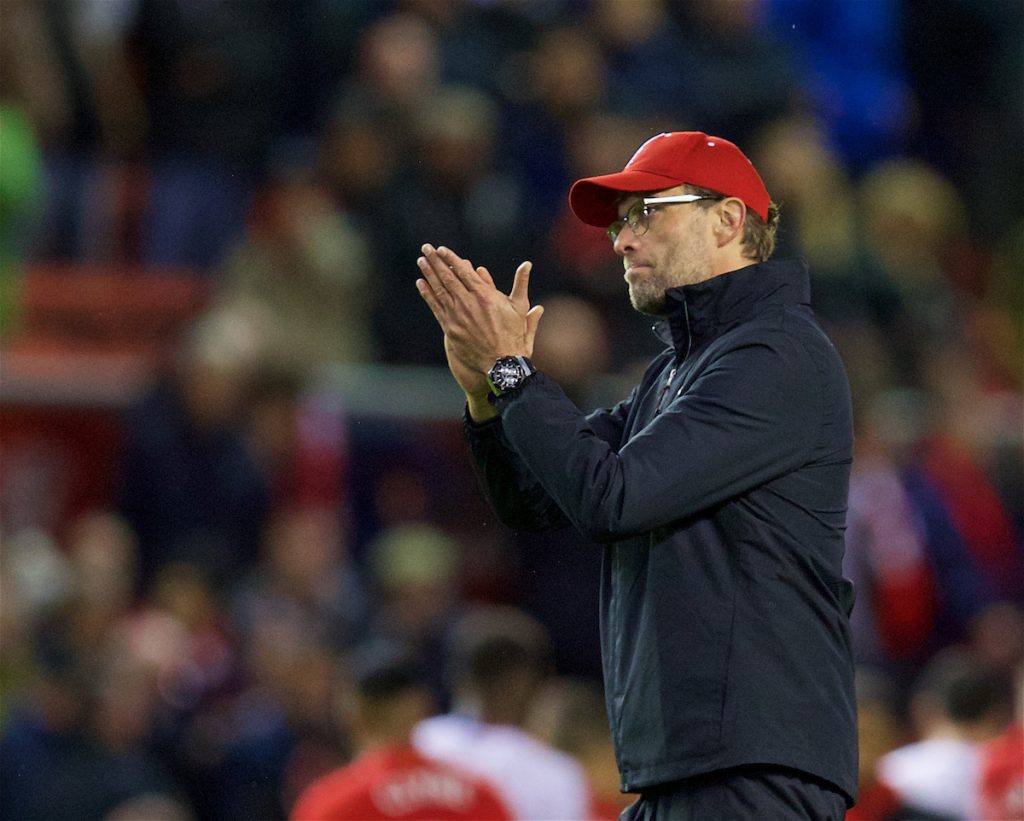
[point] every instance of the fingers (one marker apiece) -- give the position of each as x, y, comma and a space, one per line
431, 299
532, 323
520, 287
485, 276
447, 278
453, 272
432, 279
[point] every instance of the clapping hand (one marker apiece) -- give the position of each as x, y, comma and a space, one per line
480, 323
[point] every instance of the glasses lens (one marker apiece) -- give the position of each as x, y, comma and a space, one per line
636, 219
636, 216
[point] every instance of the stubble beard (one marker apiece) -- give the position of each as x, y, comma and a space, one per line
648, 295
684, 264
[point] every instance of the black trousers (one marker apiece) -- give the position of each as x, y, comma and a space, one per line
758, 793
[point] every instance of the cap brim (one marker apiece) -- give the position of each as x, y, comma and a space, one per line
594, 199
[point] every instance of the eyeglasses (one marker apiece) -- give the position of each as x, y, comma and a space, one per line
639, 214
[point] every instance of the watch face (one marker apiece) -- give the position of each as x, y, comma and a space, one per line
507, 373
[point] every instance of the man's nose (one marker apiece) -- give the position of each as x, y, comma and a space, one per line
625, 241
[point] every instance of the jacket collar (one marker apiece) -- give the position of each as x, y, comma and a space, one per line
715, 305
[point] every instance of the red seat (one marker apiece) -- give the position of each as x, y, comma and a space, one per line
92, 334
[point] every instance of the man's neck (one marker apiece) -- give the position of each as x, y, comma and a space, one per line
728, 260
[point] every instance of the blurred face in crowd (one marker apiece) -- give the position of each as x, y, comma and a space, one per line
676, 249
305, 547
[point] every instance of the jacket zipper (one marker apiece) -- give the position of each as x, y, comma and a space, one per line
672, 373
619, 685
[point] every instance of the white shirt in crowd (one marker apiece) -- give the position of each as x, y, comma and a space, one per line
938, 775
537, 782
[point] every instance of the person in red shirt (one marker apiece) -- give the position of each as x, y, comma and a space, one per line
1002, 775
1001, 765
390, 779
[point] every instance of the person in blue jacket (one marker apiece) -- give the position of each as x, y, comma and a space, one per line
717, 489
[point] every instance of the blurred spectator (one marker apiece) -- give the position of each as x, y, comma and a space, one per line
43, 730
996, 636
359, 162
35, 578
957, 705
390, 778
887, 558
21, 173
305, 262
572, 347
966, 105
72, 74
648, 62
914, 222
219, 82
36, 571
104, 555
480, 43
814, 187
816, 192
397, 68
79, 748
15, 657
928, 554
188, 483
279, 732
415, 570
1001, 768
738, 75
367, 141
499, 658
182, 635
976, 427
19, 200
1007, 289
458, 192
570, 715
296, 433
879, 730
563, 82
306, 579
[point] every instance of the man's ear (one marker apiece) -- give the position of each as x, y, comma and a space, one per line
731, 217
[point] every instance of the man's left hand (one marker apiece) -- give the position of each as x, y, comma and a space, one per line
480, 322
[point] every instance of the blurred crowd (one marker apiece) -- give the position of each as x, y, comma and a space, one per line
186, 651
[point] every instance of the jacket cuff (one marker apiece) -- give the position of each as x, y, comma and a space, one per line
534, 379
473, 426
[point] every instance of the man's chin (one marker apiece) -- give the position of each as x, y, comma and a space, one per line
648, 303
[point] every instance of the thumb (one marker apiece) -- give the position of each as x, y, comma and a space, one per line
532, 323
520, 286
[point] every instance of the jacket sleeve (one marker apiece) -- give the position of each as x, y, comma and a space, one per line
753, 414
517, 497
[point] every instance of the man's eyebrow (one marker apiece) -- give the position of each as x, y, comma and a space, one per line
628, 195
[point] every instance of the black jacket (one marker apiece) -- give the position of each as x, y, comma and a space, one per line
719, 490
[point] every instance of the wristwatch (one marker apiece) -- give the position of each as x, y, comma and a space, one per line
508, 373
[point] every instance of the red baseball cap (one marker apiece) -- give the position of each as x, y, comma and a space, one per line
665, 161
